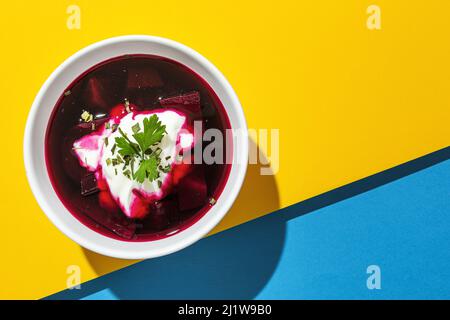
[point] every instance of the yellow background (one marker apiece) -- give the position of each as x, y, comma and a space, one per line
348, 101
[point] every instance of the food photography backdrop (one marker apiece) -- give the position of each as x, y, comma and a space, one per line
359, 205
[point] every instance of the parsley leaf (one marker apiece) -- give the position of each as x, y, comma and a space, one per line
147, 169
124, 147
152, 134
141, 151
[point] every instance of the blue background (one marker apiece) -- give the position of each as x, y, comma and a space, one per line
317, 249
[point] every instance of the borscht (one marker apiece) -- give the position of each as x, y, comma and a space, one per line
120, 147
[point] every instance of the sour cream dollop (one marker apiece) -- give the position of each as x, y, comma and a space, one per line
95, 151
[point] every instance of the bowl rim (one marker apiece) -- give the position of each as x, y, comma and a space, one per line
185, 238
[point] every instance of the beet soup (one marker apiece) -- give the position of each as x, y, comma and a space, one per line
117, 142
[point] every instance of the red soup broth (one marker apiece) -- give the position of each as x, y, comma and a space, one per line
145, 81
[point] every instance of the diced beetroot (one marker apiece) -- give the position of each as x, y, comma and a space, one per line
140, 207
189, 101
107, 201
192, 190
98, 92
179, 171
127, 232
161, 213
115, 222
143, 77
102, 184
120, 110
89, 185
187, 98
124, 231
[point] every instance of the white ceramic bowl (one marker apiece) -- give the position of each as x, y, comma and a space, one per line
39, 116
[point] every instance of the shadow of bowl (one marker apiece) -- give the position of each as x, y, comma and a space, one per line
233, 264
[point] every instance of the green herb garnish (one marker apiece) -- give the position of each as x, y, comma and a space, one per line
152, 134
136, 128
86, 116
141, 149
126, 147
147, 169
